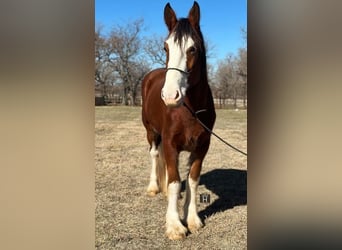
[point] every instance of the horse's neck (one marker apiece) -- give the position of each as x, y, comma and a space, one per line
199, 95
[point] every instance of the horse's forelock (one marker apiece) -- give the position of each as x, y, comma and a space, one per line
183, 29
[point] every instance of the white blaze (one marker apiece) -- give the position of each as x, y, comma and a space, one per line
176, 82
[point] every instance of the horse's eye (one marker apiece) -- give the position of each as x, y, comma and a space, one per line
192, 50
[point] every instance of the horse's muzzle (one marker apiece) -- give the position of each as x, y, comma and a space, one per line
172, 100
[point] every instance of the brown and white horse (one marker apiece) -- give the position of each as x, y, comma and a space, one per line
168, 95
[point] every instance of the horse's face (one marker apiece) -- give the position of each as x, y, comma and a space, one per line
181, 54
180, 58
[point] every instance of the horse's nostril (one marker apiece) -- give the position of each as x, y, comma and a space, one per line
177, 95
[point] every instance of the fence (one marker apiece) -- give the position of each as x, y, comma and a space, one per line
230, 103
219, 103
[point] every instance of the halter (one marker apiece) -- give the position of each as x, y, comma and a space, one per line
182, 71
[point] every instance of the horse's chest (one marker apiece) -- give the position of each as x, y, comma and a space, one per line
193, 138
184, 131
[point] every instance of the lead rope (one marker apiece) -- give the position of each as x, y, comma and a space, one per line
209, 130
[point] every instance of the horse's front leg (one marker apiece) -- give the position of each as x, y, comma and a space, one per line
174, 227
153, 187
190, 206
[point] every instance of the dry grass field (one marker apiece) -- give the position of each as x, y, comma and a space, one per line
126, 218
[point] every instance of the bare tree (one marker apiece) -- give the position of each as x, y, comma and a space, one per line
103, 73
209, 49
137, 71
125, 58
242, 71
244, 34
154, 49
242, 66
227, 79
231, 76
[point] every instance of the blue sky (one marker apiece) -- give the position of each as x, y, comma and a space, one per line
221, 20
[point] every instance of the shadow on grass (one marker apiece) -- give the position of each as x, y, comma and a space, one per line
230, 185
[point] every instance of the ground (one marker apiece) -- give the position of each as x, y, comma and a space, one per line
127, 218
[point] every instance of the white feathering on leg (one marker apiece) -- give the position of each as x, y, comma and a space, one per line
192, 219
174, 227
153, 187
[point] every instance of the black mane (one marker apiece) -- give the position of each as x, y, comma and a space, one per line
184, 28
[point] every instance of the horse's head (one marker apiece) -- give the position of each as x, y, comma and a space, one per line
184, 48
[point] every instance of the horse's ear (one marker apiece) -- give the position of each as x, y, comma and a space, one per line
169, 17
194, 15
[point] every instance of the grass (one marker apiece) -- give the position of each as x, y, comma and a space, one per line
126, 218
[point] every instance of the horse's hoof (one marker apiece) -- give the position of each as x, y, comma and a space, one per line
176, 231
152, 193
152, 190
194, 224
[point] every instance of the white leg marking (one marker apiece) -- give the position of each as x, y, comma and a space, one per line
174, 227
153, 188
192, 219
162, 171
165, 186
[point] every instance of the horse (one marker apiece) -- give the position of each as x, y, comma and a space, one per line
172, 99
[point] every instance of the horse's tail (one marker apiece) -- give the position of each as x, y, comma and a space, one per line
162, 171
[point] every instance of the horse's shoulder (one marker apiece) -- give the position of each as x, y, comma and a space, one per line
153, 78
